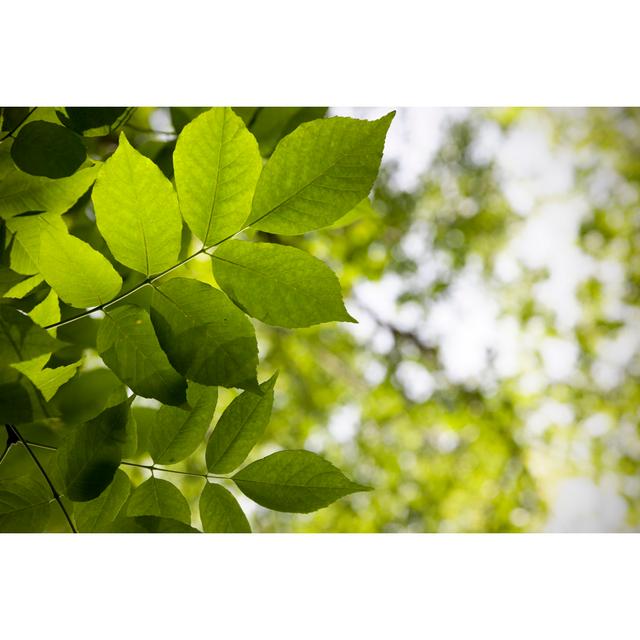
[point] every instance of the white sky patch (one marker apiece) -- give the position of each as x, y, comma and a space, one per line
559, 358
581, 506
344, 422
417, 383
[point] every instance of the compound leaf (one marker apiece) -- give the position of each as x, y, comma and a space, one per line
137, 211
217, 164
176, 433
220, 511
239, 428
317, 174
279, 285
129, 347
90, 455
204, 334
294, 481
156, 497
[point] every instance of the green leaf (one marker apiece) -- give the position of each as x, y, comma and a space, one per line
85, 119
46, 379
46, 312
88, 395
270, 124
47, 149
90, 455
294, 481
150, 524
98, 514
80, 275
24, 506
28, 230
317, 174
363, 209
21, 192
20, 339
21, 289
137, 211
239, 428
279, 285
220, 511
156, 497
15, 404
216, 164
204, 334
129, 347
177, 433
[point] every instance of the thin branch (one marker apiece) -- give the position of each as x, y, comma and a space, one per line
150, 467
54, 491
149, 280
10, 134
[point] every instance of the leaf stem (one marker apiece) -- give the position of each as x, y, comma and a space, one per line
150, 467
149, 280
54, 491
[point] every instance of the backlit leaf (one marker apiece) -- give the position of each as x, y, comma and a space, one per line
239, 428
80, 275
177, 433
279, 285
317, 174
24, 506
156, 497
220, 511
216, 164
137, 211
294, 481
129, 347
21, 192
98, 514
91, 453
204, 334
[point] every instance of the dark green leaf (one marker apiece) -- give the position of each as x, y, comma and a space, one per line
84, 119
15, 404
204, 334
239, 428
24, 506
216, 164
279, 285
220, 511
137, 211
294, 481
91, 453
156, 497
98, 514
129, 347
177, 433
317, 174
47, 149
150, 524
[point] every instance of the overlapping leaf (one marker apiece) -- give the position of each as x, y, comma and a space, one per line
204, 334
220, 511
156, 497
129, 347
239, 428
